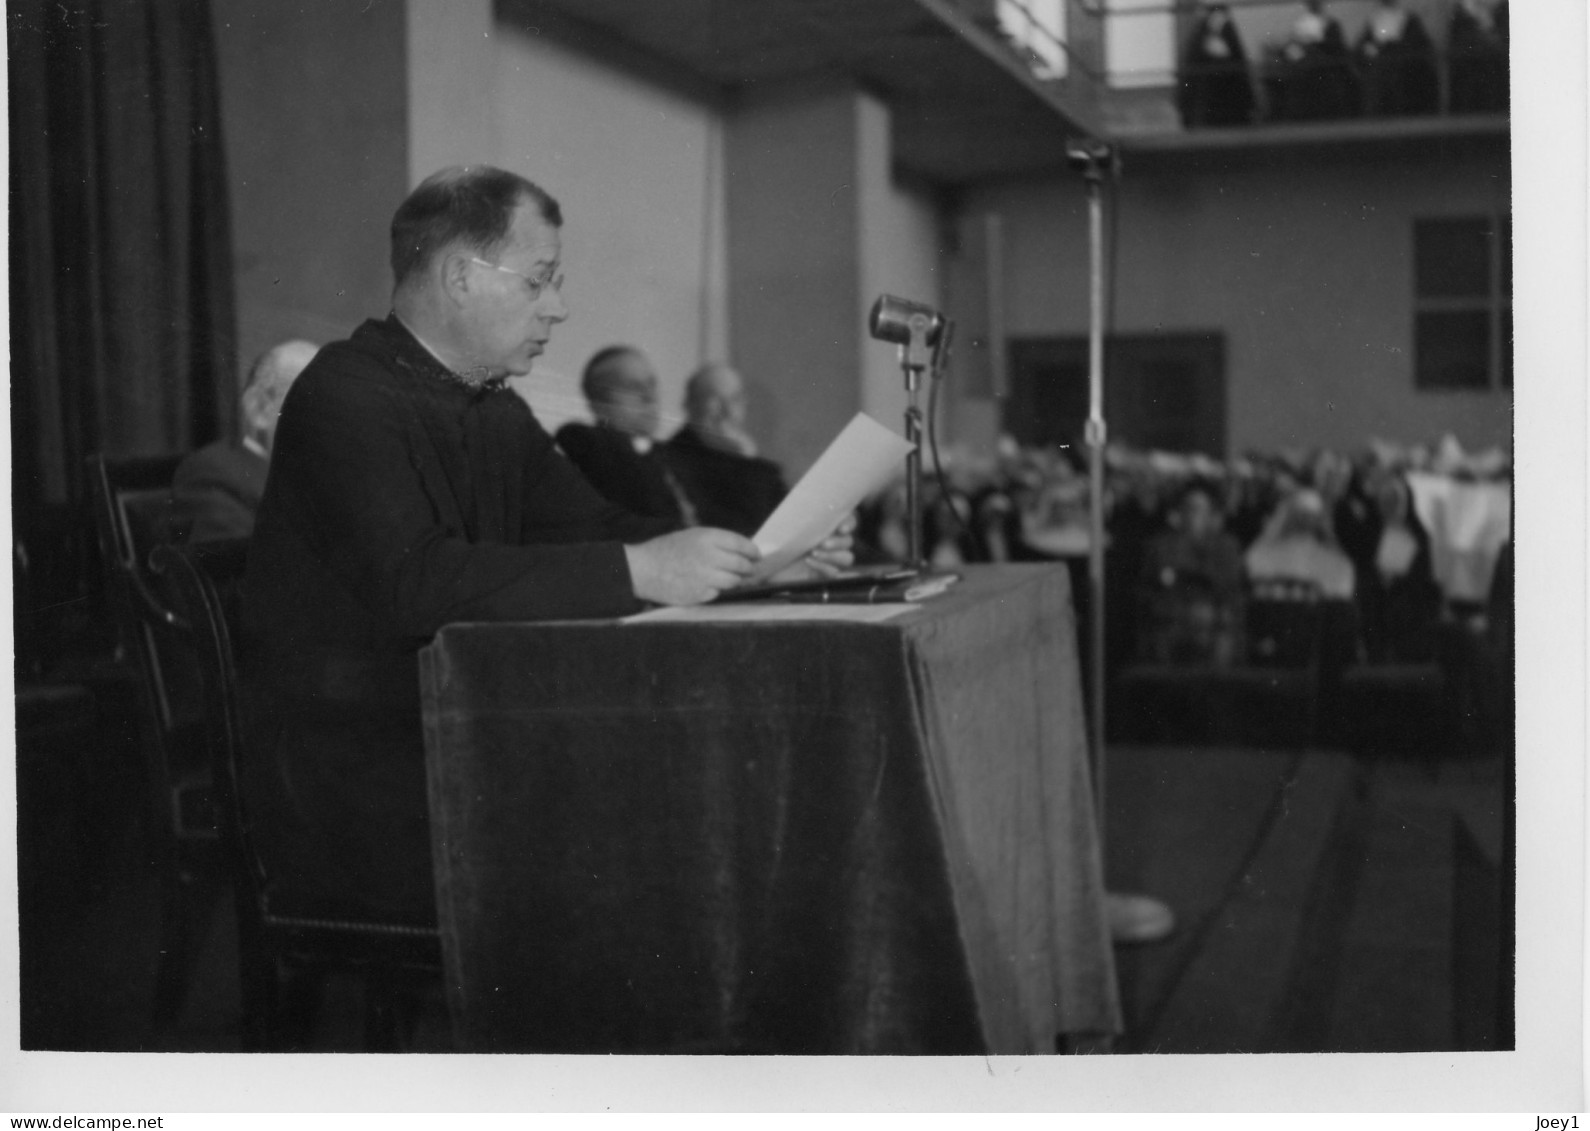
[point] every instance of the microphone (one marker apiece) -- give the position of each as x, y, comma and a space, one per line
900, 320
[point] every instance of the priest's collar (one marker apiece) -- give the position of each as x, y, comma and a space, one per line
475, 380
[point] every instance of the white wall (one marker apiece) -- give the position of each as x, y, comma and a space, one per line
795, 196
334, 114
452, 104
637, 170
901, 257
1304, 262
819, 228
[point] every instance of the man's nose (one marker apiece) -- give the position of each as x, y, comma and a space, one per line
552, 307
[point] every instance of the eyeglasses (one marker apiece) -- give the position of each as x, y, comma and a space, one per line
534, 285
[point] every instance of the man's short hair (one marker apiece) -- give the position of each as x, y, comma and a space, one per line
700, 388
472, 205
596, 381
269, 377
1199, 486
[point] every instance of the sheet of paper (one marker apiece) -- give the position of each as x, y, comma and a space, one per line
861, 460
770, 611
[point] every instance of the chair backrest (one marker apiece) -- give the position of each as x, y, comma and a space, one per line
202, 577
1283, 624
132, 499
1187, 623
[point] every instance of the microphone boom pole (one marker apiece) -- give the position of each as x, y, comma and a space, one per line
1094, 157
1132, 917
920, 332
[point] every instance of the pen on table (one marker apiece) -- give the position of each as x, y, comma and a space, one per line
931, 586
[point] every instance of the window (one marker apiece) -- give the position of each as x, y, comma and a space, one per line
1163, 392
1039, 26
1463, 303
1140, 43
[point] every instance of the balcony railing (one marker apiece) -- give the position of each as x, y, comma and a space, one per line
1462, 70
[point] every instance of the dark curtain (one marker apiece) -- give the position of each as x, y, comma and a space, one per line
122, 322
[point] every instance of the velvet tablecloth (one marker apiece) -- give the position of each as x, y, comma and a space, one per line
799, 837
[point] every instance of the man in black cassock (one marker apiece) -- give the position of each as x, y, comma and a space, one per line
619, 454
715, 460
410, 488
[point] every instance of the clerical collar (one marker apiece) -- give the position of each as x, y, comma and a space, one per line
475, 380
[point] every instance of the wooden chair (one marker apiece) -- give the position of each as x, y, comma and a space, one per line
1264, 687
277, 937
1184, 639
1275, 691
131, 505
131, 501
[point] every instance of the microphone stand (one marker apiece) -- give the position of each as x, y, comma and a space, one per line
912, 361
1094, 437
916, 329
1133, 918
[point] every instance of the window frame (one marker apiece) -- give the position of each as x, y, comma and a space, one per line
1496, 303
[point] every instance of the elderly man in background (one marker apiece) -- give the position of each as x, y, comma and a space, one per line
410, 489
619, 454
715, 459
217, 489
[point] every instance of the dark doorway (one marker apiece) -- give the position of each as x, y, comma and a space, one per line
1165, 392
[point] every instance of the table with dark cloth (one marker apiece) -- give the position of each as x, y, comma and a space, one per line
771, 837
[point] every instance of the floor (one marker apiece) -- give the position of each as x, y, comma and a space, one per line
1314, 893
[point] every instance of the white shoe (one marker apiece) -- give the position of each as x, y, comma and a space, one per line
1137, 918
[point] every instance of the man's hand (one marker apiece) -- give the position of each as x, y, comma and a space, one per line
690, 567
829, 558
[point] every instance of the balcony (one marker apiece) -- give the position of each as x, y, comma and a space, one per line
1133, 59
964, 106
982, 89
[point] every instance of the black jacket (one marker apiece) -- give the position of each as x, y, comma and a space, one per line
399, 501
608, 460
730, 491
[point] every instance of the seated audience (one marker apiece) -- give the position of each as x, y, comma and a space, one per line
1246, 504
1192, 584
714, 459
1215, 87
1477, 53
1134, 518
1469, 520
1297, 545
1316, 78
1397, 60
1399, 602
1054, 518
217, 489
1331, 474
992, 509
947, 540
410, 489
619, 454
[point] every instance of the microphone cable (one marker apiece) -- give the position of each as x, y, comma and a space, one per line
941, 357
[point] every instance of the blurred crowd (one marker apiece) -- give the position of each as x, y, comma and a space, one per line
1408, 537
1390, 66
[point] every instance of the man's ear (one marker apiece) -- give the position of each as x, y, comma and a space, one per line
455, 275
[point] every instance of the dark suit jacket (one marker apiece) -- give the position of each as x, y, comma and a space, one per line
216, 491
608, 459
1400, 75
730, 491
1215, 90
398, 501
